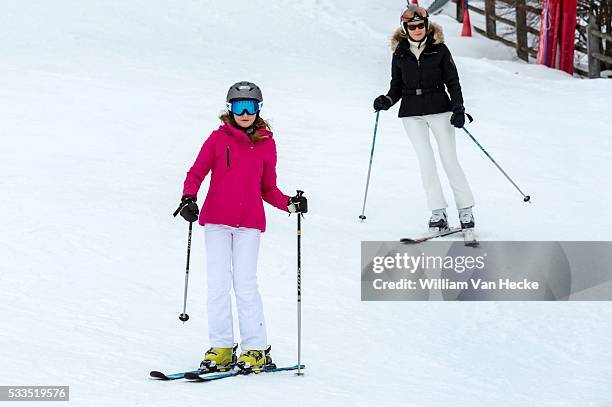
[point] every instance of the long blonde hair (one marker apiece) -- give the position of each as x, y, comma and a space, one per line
259, 124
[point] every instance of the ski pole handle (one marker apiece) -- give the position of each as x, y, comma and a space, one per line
178, 210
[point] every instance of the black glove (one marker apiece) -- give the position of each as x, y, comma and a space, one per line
189, 208
382, 103
458, 119
297, 204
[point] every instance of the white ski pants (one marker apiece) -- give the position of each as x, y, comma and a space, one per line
417, 129
231, 260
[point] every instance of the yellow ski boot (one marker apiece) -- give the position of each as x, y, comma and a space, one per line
254, 360
219, 359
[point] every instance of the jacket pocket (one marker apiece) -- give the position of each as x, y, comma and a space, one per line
227, 156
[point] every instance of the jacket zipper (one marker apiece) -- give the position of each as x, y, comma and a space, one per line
418, 61
420, 82
227, 156
421, 75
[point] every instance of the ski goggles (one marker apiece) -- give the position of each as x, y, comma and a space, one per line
414, 13
418, 26
242, 106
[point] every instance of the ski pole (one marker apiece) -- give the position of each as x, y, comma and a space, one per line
526, 198
183, 316
299, 287
365, 197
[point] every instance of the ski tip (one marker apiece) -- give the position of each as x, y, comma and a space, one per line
192, 376
158, 375
407, 240
294, 367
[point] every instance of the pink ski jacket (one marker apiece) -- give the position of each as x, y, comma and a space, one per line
243, 173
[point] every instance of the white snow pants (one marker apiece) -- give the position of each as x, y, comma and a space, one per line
231, 259
417, 129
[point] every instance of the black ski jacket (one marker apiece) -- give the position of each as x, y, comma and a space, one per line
422, 85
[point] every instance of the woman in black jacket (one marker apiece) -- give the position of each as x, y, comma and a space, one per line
423, 76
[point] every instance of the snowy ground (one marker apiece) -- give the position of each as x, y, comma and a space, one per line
103, 108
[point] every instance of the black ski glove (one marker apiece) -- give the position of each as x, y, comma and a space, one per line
189, 208
382, 103
458, 119
297, 204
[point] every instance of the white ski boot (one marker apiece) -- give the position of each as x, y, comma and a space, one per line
438, 222
466, 217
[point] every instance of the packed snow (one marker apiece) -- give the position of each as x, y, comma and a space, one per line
105, 105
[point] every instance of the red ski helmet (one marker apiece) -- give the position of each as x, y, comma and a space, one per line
413, 13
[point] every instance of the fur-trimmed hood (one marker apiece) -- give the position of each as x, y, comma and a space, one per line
434, 31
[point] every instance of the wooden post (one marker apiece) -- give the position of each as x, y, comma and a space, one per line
593, 47
460, 11
490, 18
608, 41
522, 50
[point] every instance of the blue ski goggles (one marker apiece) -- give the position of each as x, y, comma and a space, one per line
242, 106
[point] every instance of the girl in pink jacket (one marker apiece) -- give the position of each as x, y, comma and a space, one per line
241, 157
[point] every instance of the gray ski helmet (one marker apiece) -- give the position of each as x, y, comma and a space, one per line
244, 90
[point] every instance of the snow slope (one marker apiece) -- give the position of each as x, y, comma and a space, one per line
104, 105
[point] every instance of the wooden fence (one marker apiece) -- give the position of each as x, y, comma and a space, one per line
521, 43
595, 56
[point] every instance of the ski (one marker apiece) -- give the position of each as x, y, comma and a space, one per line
175, 376
217, 376
407, 240
204, 369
